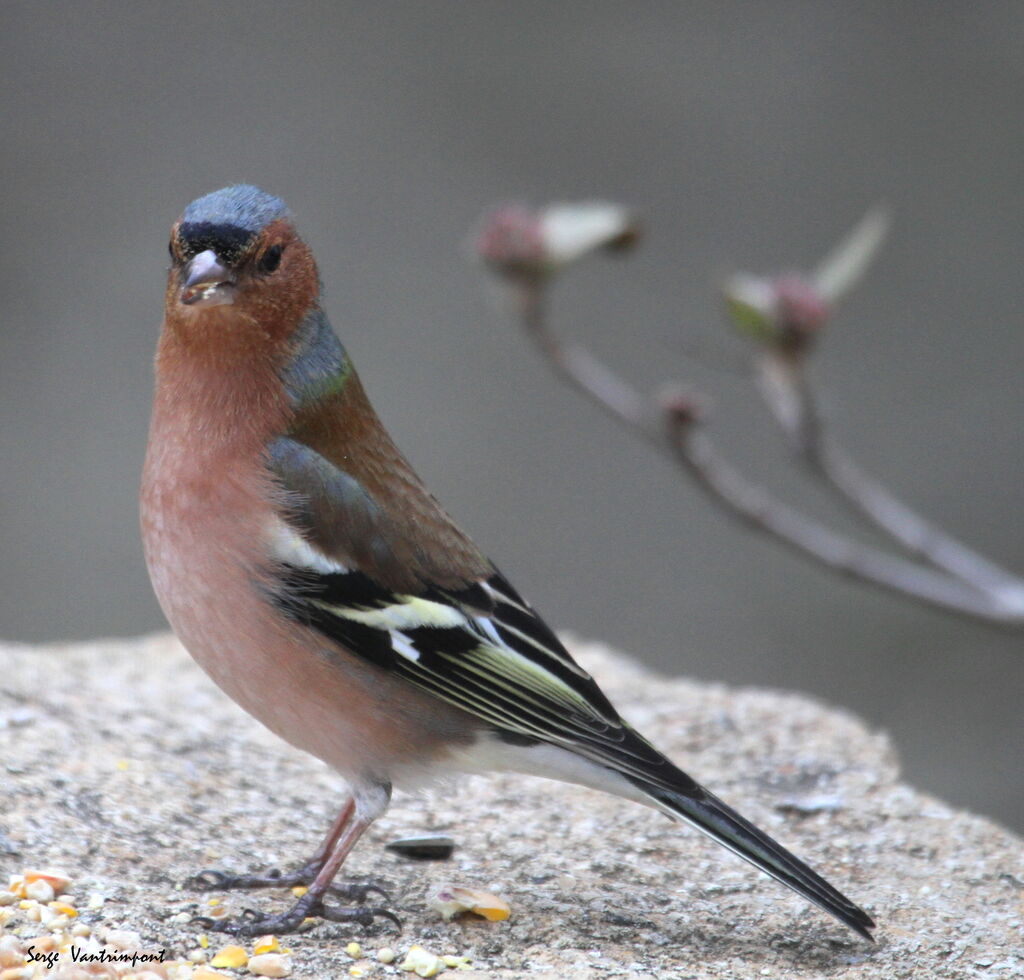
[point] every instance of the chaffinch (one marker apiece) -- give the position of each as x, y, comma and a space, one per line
304, 565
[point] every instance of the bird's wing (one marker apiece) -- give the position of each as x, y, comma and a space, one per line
478, 646
481, 647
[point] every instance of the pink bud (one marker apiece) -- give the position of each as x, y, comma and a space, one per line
800, 309
681, 406
511, 242
528, 244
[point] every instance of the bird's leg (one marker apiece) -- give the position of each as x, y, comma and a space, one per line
214, 880
357, 815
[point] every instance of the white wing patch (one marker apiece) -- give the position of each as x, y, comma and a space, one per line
500, 666
290, 547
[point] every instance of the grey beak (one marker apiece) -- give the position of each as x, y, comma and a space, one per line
207, 280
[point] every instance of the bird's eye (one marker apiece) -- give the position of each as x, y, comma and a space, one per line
271, 258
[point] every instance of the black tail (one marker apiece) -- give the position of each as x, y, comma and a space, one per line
711, 816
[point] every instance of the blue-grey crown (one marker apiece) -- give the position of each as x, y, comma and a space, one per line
241, 206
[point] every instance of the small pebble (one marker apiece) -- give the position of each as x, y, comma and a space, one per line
12, 953
51, 919
124, 939
45, 944
270, 965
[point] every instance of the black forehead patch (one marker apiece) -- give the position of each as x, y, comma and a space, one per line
227, 220
228, 241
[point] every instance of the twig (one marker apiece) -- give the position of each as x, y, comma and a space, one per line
727, 487
805, 425
760, 510
784, 317
577, 365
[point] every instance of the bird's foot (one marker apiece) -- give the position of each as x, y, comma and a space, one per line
213, 880
310, 906
351, 891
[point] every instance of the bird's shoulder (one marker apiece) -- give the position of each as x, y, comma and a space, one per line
352, 493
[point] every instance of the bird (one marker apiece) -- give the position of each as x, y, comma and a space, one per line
307, 569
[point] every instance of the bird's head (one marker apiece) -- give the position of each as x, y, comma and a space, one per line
237, 265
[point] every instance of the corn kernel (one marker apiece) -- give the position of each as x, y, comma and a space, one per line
354, 950
231, 957
266, 944
421, 962
270, 965
57, 880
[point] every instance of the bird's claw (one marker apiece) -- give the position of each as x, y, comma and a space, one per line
357, 891
361, 916
253, 923
208, 879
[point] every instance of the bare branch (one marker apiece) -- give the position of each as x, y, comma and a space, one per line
795, 406
730, 490
577, 365
758, 509
784, 317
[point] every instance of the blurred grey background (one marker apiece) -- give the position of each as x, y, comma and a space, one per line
748, 135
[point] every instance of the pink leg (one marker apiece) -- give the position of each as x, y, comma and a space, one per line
211, 879
358, 813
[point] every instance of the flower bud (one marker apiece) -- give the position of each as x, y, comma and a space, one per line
521, 243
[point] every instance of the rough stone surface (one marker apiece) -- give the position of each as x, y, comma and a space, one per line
123, 765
